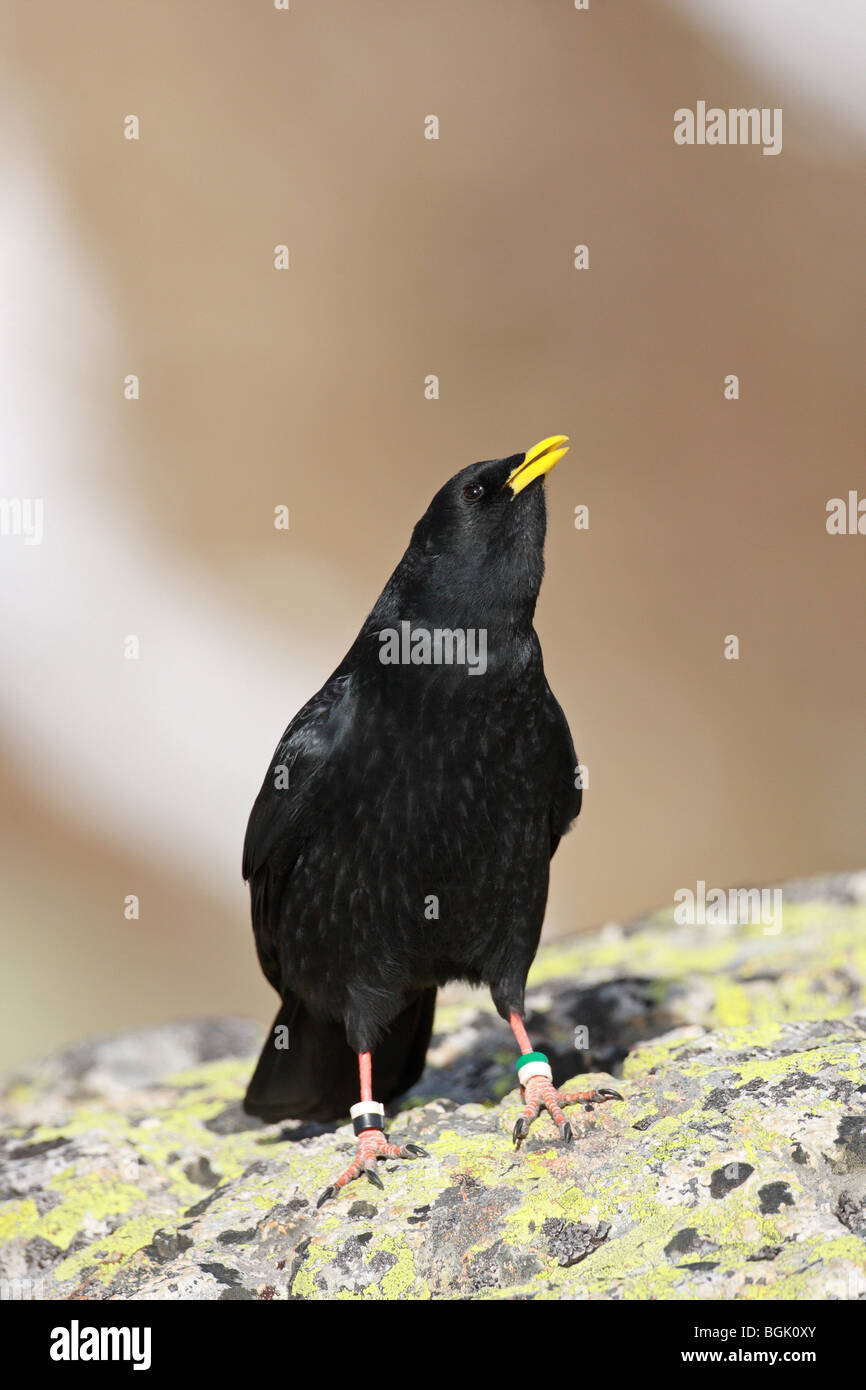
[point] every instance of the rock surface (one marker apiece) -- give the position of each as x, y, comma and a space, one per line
734, 1168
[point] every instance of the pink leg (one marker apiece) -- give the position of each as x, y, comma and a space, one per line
372, 1143
539, 1093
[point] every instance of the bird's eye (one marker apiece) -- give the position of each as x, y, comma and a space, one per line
473, 491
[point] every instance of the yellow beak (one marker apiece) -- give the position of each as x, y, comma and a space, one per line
536, 462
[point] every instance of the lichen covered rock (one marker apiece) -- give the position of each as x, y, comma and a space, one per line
735, 1167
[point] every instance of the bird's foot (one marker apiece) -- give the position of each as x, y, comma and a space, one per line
539, 1093
372, 1145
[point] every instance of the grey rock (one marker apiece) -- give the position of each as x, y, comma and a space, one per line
734, 1167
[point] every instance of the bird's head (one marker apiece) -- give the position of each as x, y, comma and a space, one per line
478, 550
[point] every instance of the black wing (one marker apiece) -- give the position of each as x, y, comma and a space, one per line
298, 789
567, 791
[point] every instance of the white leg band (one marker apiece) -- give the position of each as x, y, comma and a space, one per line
366, 1107
534, 1069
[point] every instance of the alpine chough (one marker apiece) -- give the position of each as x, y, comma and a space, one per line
403, 834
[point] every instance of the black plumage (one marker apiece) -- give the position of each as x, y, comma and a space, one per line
403, 834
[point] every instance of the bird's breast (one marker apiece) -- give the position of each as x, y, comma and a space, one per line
434, 853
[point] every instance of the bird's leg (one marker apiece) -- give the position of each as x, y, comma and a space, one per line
539, 1092
368, 1117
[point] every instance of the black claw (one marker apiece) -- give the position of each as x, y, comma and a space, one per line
374, 1178
328, 1193
566, 1133
521, 1129
416, 1151
610, 1095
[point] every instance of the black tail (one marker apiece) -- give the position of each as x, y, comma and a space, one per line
316, 1076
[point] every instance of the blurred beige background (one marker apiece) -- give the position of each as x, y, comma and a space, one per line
411, 257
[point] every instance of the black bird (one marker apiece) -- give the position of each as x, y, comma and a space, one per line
403, 834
